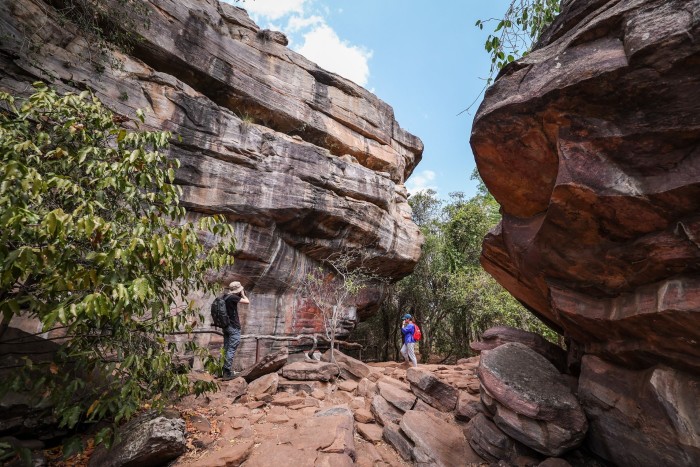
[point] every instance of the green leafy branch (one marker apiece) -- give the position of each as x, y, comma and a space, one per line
94, 244
515, 33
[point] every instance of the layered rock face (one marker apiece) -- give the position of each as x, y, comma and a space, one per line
591, 144
528, 400
303, 162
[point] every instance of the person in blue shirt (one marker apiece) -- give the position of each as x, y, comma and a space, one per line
409, 343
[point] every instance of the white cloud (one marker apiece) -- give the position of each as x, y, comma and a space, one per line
297, 23
323, 46
306, 24
421, 181
273, 9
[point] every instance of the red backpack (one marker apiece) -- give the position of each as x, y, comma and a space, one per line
417, 334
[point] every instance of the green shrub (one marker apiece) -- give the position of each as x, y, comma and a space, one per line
93, 243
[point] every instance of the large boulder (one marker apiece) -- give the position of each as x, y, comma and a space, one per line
499, 335
591, 145
264, 132
150, 439
640, 416
529, 399
432, 390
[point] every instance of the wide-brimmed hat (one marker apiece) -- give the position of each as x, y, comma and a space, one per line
407, 316
235, 287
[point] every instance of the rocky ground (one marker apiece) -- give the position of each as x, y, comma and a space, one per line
510, 406
355, 419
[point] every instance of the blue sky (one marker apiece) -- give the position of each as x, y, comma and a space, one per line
426, 60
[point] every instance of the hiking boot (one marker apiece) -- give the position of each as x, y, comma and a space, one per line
229, 376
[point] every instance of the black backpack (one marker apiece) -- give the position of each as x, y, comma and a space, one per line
219, 315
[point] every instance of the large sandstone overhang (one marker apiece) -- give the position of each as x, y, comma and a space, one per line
591, 144
303, 162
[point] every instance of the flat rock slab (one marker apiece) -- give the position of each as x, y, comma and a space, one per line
230, 456
364, 416
436, 442
309, 443
308, 371
384, 412
533, 403
309, 387
286, 400
370, 431
432, 390
399, 398
343, 410
347, 386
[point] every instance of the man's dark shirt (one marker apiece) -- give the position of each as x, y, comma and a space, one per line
232, 310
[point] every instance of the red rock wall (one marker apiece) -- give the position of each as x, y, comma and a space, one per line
320, 168
591, 144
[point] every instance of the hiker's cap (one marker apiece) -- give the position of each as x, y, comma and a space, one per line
407, 316
235, 287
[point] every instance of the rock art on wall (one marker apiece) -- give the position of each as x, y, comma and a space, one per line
303, 162
591, 145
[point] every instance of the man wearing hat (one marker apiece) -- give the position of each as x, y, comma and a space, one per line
409, 343
232, 333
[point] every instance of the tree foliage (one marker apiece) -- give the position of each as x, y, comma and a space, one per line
93, 243
521, 26
453, 299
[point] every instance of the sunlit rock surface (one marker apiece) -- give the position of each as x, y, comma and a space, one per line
591, 144
302, 162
